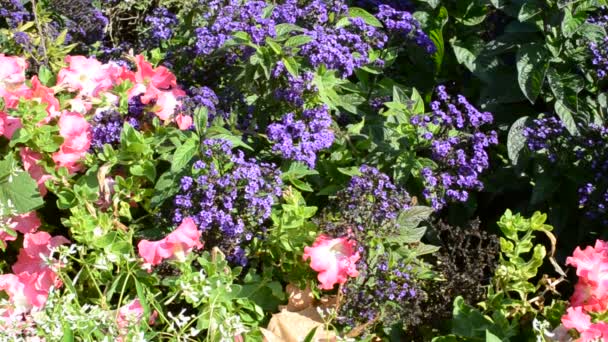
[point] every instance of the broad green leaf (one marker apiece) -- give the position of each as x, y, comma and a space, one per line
411, 217
20, 191
491, 337
516, 140
365, 15
571, 24
298, 40
183, 154
532, 67
291, 65
528, 10
566, 116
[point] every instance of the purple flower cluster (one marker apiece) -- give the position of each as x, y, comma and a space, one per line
14, 12
404, 24
201, 97
367, 209
161, 23
383, 282
599, 58
106, 127
85, 23
300, 140
225, 19
372, 195
458, 147
542, 134
599, 55
344, 48
229, 197
592, 154
296, 87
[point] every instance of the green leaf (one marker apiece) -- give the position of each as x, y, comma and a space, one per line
298, 40
201, 119
516, 141
356, 128
350, 171
45, 76
183, 154
411, 217
566, 116
166, 186
528, 10
291, 65
282, 29
218, 132
571, 24
491, 337
532, 64
369, 19
20, 191
301, 185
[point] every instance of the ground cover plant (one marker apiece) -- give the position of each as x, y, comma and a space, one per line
303, 170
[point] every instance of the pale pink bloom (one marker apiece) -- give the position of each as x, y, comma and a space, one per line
75, 130
88, 76
8, 125
45, 95
175, 245
595, 332
22, 292
31, 259
131, 314
166, 104
30, 161
12, 72
334, 259
155, 79
24, 223
158, 85
184, 122
575, 318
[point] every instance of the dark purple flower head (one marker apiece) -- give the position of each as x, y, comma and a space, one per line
229, 197
14, 12
300, 140
458, 147
404, 24
161, 23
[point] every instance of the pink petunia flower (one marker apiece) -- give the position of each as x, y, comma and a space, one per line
30, 161
76, 133
590, 293
8, 125
156, 85
24, 223
132, 313
334, 259
175, 245
88, 76
184, 122
22, 292
12, 72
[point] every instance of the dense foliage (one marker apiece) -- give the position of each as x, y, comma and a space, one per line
303, 170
